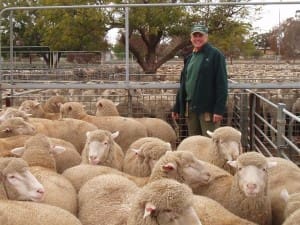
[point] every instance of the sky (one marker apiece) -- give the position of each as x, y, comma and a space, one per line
273, 15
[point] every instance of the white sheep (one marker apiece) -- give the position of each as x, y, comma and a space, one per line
224, 145
246, 193
155, 127
292, 208
285, 175
71, 130
106, 199
181, 166
163, 202
36, 110
17, 182
24, 213
37, 152
292, 202
16, 126
248, 196
69, 158
101, 149
130, 130
142, 155
212, 212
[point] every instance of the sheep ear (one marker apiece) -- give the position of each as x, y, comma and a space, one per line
18, 151
137, 151
272, 164
57, 149
284, 195
168, 144
169, 167
36, 103
7, 130
88, 134
117, 103
209, 133
115, 135
232, 163
149, 209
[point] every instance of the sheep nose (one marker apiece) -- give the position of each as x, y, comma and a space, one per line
251, 186
40, 191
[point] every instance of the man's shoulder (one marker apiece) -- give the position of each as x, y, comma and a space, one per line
213, 49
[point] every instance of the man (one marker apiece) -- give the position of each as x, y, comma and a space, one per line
203, 85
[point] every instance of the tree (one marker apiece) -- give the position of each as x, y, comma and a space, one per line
287, 37
159, 33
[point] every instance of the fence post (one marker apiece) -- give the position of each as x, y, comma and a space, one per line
280, 127
244, 120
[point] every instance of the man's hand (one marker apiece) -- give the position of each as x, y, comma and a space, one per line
217, 118
175, 115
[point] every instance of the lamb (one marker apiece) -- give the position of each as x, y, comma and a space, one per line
23, 213
130, 130
285, 175
101, 196
17, 182
143, 154
101, 149
36, 110
59, 190
155, 127
181, 166
163, 202
224, 145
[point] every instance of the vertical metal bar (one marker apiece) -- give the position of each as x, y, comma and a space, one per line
11, 51
280, 127
127, 43
252, 98
244, 119
1, 30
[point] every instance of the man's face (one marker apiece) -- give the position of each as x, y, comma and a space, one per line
198, 40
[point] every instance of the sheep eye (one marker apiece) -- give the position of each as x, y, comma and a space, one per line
11, 177
240, 168
264, 169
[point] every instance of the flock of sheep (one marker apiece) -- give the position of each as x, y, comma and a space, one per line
62, 166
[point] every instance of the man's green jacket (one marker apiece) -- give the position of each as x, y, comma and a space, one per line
211, 89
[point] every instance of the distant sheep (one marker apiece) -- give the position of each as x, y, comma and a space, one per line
16, 126
52, 104
224, 145
101, 149
143, 154
130, 130
155, 127
36, 110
